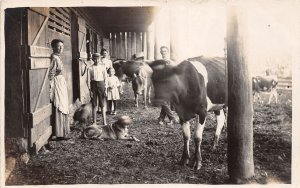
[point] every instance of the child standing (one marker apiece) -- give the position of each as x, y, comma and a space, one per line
97, 76
112, 90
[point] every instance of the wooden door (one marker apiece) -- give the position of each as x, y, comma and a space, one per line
79, 54
37, 62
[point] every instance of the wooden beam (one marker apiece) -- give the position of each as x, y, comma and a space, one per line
38, 63
37, 36
41, 114
40, 91
240, 100
43, 139
82, 55
41, 10
129, 45
38, 51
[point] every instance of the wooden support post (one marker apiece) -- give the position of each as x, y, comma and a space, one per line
145, 44
240, 108
150, 42
118, 45
121, 46
129, 51
139, 42
114, 44
162, 30
178, 39
133, 43
125, 45
110, 45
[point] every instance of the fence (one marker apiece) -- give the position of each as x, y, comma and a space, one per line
284, 83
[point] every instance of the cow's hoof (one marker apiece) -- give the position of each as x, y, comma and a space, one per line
183, 162
197, 165
215, 146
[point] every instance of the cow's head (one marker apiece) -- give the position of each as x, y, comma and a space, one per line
137, 84
117, 65
165, 81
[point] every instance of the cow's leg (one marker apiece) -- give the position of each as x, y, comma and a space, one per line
276, 96
186, 138
273, 93
145, 96
220, 116
149, 95
136, 98
258, 98
198, 139
121, 87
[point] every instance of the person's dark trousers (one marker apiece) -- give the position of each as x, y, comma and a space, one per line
166, 111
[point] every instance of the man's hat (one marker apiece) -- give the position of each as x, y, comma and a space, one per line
96, 55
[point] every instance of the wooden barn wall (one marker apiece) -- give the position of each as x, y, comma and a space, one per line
14, 98
124, 45
59, 26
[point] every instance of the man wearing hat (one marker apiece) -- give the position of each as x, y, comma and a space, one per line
97, 83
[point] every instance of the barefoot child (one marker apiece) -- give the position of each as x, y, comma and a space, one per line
97, 76
113, 95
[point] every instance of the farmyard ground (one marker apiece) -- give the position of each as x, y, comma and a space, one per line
154, 159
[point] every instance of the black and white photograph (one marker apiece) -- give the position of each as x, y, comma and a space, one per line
149, 93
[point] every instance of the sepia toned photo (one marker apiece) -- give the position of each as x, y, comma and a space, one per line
149, 93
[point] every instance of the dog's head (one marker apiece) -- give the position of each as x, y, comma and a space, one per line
123, 121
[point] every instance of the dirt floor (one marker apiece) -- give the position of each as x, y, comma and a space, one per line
154, 159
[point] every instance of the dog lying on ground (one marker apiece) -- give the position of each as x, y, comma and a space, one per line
115, 131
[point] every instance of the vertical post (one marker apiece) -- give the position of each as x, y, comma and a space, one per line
114, 42
122, 45
150, 42
240, 108
110, 45
133, 44
162, 30
125, 44
178, 39
139, 44
145, 44
118, 46
129, 46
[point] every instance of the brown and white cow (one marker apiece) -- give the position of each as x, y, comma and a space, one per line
265, 84
195, 86
140, 74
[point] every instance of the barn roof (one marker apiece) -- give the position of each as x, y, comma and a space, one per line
116, 19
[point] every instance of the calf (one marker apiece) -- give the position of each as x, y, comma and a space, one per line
195, 86
265, 84
140, 74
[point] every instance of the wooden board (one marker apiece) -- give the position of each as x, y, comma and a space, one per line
41, 114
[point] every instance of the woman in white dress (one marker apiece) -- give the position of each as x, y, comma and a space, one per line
59, 93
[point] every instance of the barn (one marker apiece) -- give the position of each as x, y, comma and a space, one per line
124, 31
28, 33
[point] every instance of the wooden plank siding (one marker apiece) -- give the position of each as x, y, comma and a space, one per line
284, 83
27, 61
123, 45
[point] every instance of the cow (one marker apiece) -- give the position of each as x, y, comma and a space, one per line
195, 87
140, 74
265, 84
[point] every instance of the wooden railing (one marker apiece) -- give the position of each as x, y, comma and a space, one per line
284, 83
